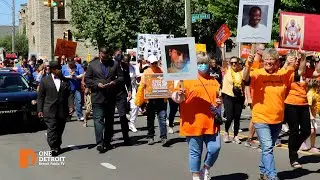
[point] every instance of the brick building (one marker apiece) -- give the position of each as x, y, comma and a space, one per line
38, 29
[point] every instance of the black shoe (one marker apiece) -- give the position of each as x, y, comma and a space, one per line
127, 142
164, 142
100, 148
55, 152
108, 146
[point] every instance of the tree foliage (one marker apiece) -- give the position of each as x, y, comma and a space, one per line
21, 44
115, 24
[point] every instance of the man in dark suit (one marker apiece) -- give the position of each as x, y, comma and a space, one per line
55, 104
123, 97
102, 77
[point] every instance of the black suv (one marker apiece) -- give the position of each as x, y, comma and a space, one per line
18, 111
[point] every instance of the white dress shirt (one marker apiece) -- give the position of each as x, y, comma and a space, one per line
57, 82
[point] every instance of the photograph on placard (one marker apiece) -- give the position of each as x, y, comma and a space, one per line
179, 59
255, 21
149, 44
292, 31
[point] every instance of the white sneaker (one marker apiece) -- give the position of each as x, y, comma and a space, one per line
196, 178
132, 127
236, 140
170, 130
285, 128
204, 174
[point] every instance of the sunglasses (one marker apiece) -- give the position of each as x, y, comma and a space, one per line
232, 63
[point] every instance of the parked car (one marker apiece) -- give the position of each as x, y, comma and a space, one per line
18, 111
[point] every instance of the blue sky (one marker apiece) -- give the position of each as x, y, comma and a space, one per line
6, 13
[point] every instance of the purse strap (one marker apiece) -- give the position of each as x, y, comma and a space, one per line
206, 91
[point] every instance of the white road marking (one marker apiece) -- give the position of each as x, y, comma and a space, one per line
108, 165
74, 147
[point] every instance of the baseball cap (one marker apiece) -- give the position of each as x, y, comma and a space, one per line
152, 59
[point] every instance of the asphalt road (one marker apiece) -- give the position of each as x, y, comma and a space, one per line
140, 161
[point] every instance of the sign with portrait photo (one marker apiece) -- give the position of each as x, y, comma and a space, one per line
179, 61
149, 44
157, 87
299, 30
255, 21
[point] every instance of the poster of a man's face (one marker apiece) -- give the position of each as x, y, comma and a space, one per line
255, 21
254, 15
177, 58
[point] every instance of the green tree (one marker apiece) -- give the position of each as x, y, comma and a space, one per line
115, 24
21, 44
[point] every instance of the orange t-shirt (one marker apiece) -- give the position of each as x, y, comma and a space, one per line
297, 93
195, 116
150, 71
268, 95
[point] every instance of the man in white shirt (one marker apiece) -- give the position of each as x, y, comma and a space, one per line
55, 105
254, 29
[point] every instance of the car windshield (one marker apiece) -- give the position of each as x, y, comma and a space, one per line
13, 83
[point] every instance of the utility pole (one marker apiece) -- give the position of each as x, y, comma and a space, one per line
13, 27
188, 21
52, 32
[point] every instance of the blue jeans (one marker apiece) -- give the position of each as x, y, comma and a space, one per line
213, 144
77, 101
157, 107
268, 135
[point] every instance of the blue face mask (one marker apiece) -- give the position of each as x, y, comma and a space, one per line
204, 68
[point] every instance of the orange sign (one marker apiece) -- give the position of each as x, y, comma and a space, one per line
222, 35
64, 47
25, 154
245, 51
157, 87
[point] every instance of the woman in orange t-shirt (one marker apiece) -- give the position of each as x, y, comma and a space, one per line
296, 112
197, 123
269, 87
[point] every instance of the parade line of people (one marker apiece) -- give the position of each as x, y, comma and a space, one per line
279, 91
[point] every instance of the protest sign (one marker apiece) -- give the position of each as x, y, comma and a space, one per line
201, 48
299, 30
222, 35
255, 21
179, 61
149, 44
245, 51
157, 87
66, 48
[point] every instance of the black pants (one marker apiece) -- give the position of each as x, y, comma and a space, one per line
297, 116
54, 132
233, 109
103, 116
122, 107
173, 111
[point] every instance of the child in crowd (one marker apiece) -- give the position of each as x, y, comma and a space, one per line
314, 103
